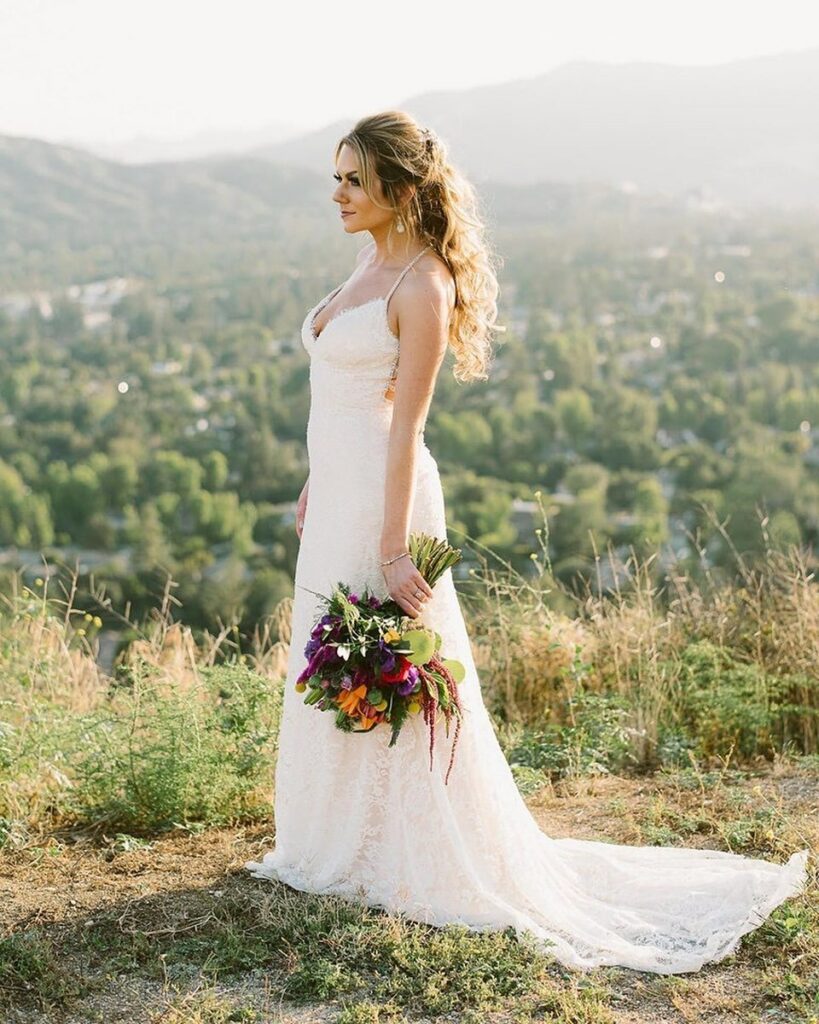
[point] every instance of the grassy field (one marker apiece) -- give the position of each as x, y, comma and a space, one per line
129, 804
120, 929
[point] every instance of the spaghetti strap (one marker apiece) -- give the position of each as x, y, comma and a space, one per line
389, 393
400, 277
336, 291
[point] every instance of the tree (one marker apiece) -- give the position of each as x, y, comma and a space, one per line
576, 415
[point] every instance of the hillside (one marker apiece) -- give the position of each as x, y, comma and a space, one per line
739, 128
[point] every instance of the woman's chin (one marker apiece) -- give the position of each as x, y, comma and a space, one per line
351, 223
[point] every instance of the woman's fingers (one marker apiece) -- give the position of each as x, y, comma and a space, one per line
410, 594
406, 599
419, 583
414, 602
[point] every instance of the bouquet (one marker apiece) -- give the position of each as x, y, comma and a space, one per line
369, 662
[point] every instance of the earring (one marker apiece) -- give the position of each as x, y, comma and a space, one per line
399, 225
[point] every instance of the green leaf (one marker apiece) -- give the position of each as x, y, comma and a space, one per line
422, 646
455, 669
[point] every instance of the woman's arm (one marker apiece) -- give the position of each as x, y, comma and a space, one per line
424, 309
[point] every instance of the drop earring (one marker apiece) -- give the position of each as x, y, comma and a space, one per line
399, 225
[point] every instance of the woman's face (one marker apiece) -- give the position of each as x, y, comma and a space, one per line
358, 211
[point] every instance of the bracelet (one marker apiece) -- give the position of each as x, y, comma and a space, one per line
391, 560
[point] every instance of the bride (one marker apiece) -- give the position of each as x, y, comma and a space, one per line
354, 817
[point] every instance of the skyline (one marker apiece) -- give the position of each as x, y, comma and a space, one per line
179, 71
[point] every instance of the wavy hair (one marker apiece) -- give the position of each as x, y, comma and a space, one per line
444, 212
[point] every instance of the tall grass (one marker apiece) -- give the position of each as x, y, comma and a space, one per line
652, 671
655, 668
184, 730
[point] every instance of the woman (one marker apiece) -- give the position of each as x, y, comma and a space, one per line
372, 823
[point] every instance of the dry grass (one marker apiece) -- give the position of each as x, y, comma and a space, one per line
105, 926
538, 643
138, 924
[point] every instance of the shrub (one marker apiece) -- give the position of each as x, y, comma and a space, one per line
159, 754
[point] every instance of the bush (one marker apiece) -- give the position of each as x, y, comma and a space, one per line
596, 740
159, 754
726, 703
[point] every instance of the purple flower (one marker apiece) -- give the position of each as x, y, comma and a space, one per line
352, 598
388, 659
361, 675
325, 620
311, 647
326, 653
408, 685
374, 602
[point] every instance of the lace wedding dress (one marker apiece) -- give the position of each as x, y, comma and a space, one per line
359, 820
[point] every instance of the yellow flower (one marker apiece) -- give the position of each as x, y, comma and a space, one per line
88, 616
39, 581
97, 621
391, 636
81, 632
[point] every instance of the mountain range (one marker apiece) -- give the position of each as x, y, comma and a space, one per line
741, 129
584, 137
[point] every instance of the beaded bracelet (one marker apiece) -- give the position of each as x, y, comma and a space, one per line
391, 560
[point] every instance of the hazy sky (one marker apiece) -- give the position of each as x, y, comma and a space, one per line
102, 70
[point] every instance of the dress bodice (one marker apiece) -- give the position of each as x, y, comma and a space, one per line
354, 360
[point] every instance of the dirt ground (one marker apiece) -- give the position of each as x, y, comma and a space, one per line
72, 878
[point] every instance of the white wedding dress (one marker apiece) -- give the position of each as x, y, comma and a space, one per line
373, 824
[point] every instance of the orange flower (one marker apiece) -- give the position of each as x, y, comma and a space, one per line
349, 701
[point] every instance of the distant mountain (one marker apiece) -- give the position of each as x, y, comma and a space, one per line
741, 129
52, 194
58, 201
144, 149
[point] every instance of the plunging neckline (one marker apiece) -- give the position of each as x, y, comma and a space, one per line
346, 309
360, 305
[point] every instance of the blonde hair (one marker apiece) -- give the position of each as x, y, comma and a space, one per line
443, 212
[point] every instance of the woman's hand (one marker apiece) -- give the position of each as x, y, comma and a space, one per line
407, 587
301, 507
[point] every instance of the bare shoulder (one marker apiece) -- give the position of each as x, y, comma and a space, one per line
430, 285
421, 307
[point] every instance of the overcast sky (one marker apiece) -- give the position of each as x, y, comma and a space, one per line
102, 70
